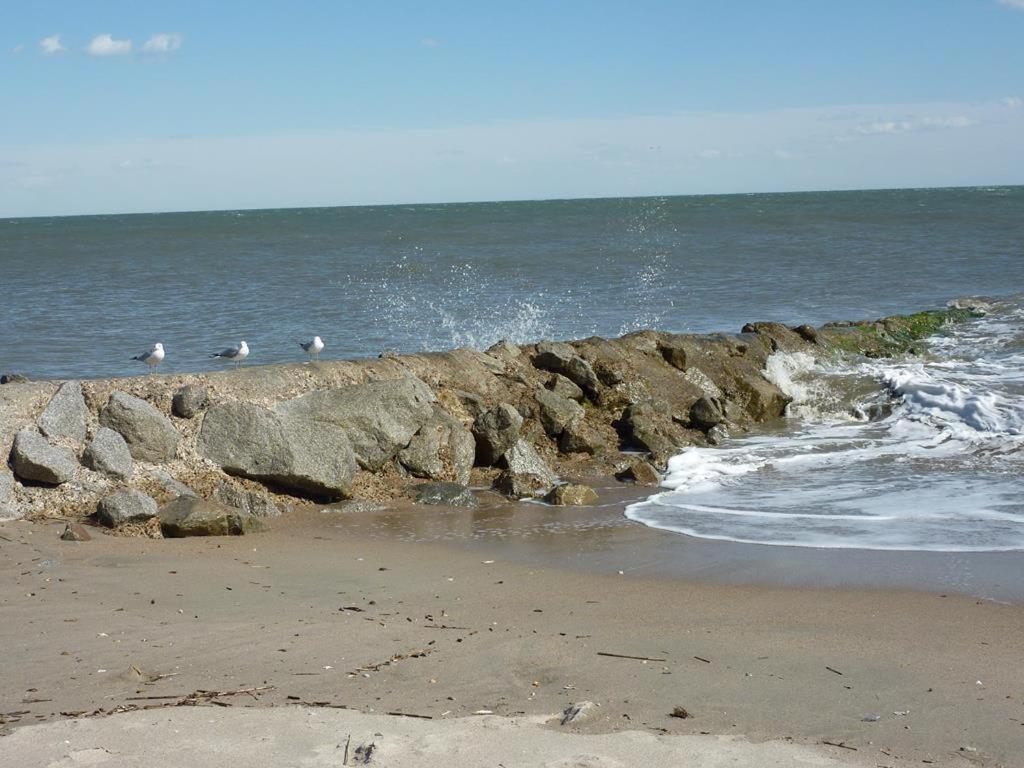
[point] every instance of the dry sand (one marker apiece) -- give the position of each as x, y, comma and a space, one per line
314, 615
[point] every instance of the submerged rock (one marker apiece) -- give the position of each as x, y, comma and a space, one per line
66, 413
571, 494
189, 401
108, 453
34, 459
192, 516
13, 378
149, 434
445, 494
308, 456
496, 431
127, 506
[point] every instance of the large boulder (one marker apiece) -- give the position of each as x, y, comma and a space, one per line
504, 350
558, 357
759, 398
192, 516
150, 435
496, 431
445, 494
443, 449
556, 411
66, 413
309, 456
35, 460
189, 401
379, 418
108, 453
127, 506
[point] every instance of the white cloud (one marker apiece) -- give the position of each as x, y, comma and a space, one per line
430, 42
710, 154
1013, 102
1018, 4
162, 42
17, 49
915, 124
105, 45
51, 45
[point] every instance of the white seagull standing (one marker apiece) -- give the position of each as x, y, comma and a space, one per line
236, 354
153, 357
313, 348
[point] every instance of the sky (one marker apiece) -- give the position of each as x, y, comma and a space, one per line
118, 107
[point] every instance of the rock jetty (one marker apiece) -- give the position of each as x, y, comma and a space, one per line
215, 453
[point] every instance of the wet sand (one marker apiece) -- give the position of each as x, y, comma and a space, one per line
506, 609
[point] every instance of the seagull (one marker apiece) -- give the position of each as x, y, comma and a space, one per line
153, 357
237, 354
313, 348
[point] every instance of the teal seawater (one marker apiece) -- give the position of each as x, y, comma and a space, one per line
80, 295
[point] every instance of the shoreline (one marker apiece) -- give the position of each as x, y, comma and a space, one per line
363, 620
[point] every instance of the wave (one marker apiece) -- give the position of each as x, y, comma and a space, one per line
915, 454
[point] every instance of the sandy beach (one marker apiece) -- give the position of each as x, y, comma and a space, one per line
341, 609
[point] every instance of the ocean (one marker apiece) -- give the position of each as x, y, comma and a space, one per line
915, 454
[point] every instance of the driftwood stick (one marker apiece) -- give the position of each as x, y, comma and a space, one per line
626, 656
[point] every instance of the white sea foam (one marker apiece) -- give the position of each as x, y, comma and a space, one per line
937, 470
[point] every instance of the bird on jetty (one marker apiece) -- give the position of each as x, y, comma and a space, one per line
235, 354
153, 357
313, 348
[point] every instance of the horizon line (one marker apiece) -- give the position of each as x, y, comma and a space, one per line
184, 211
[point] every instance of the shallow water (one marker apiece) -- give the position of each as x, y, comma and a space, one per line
920, 453
82, 295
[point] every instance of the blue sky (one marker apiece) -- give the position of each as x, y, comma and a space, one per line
137, 106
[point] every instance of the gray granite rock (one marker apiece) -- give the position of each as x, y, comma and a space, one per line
378, 418
443, 449
127, 506
252, 502
706, 413
562, 386
496, 431
558, 357
108, 453
556, 411
189, 401
35, 460
8, 509
526, 473
312, 457
580, 437
66, 414
149, 434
